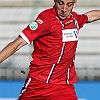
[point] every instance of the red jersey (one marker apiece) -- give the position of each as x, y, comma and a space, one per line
55, 43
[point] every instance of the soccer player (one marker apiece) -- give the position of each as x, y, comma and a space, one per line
55, 35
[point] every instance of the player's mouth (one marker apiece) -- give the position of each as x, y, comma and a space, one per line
62, 16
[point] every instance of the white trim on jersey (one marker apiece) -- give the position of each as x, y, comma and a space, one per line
88, 16
24, 37
68, 76
52, 69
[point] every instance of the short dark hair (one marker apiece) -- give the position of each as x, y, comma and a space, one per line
59, 0
56, 0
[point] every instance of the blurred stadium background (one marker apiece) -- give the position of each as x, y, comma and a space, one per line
16, 15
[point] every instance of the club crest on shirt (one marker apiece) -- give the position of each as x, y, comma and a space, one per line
33, 25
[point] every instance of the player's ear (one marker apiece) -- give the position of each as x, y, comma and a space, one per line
75, 4
55, 1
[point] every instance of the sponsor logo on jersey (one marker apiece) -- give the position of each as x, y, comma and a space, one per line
33, 25
39, 21
75, 33
69, 35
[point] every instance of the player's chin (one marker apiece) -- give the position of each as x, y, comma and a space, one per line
63, 17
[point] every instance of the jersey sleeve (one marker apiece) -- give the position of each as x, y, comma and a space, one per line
36, 29
82, 19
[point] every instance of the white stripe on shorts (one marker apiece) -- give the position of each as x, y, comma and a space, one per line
29, 80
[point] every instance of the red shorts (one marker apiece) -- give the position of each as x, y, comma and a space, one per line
38, 90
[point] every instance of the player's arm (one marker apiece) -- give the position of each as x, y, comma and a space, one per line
93, 15
11, 48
